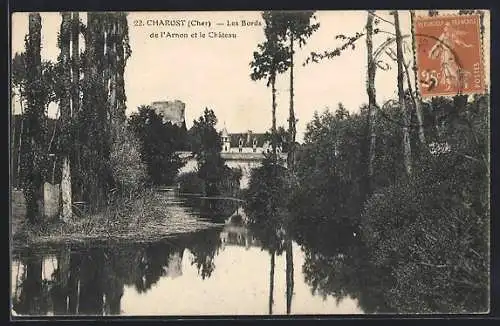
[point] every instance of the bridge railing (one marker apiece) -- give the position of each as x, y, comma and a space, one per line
237, 156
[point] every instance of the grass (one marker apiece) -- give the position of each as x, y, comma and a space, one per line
145, 219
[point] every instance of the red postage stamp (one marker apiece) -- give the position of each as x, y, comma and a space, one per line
449, 55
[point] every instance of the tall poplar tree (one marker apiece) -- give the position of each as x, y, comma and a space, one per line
94, 129
418, 100
271, 59
66, 114
31, 148
294, 27
372, 100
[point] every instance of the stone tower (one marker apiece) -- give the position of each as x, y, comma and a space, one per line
172, 111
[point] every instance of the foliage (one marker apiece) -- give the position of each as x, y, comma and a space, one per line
206, 145
191, 183
229, 185
434, 245
293, 24
330, 169
431, 232
204, 246
18, 73
266, 204
294, 27
272, 57
159, 141
424, 241
129, 172
282, 138
92, 179
85, 130
95, 119
203, 135
341, 268
32, 157
90, 274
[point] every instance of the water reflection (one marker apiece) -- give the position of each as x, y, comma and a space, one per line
214, 209
32, 292
239, 267
337, 264
229, 269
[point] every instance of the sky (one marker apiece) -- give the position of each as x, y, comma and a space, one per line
215, 73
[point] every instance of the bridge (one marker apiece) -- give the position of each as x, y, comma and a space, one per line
246, 161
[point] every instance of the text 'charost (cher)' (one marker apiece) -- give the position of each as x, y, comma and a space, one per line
172, 23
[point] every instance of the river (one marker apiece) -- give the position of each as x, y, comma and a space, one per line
224, 270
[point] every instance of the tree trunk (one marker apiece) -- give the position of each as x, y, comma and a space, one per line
73, 280
122, 53
76, 103
60, 287
271, 283
289, 275
418, 101
401, 96
13, 139
30, 298
372, 102
107, 67
291, 119
91, 300
21, 131
273, 128
66, 110
67, 203
113, 72
113, 291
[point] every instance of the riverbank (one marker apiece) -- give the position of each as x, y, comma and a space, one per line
146, 219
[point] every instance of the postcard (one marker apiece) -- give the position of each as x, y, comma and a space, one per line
236, 163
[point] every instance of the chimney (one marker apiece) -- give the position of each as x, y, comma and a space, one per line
249, 137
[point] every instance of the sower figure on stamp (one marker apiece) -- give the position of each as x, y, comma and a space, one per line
451, 72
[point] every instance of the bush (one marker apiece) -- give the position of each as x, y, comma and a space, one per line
431, 233
266, 204
229, 184
330, 169
158, 141
129, 172
191, 183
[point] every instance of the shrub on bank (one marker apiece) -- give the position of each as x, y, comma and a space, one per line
191, 183
266, 204
432, 233
227, 184
129, 172
138, 217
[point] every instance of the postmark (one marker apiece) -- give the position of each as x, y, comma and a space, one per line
449, 55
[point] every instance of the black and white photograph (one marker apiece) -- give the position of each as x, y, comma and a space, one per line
249, 163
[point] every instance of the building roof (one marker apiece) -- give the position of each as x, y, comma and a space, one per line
247, 139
